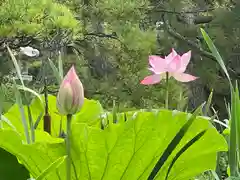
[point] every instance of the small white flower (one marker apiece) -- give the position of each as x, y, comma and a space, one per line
29, 51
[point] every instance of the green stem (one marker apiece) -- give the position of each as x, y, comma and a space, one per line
166, 100
24, 122
68, 146
31, 123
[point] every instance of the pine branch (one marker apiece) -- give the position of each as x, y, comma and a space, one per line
178, 36
103, 35
16, 42
183, 12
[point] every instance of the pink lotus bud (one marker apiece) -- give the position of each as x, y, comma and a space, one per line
71, 94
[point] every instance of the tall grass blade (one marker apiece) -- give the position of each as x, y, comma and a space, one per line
208, 104
235, 111
173, 144
38, 119
21, 109
216, 54
233, 138
233, 161
184, 148
237, 122
15, 63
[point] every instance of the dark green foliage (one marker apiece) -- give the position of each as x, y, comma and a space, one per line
10, 168
110, 41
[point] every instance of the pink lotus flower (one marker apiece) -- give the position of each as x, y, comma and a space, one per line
70, 96
173, 64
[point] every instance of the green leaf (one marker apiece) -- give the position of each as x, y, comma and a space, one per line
32, 92
22, 113
234, 133
53, 112
10, 164
38, 120
196, 138
52, 167
173, 144
6, 120
130, 150
18, 70
90, 113
36, 157
226, 131
216, 54
208, 104
125, 150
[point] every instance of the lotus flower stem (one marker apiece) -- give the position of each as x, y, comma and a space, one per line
167, 83
68, 147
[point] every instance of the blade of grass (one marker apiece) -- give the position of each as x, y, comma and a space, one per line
208, 104
216, 54
26, 89
235, 131
228, 107
18, 95
173, 144
184, 148
21, 109
38, 119
233, 163
15, 63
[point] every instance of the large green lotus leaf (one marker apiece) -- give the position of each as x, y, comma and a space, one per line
14, 117
126, 150
130, 150
89, 114
35, 157
9, 164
